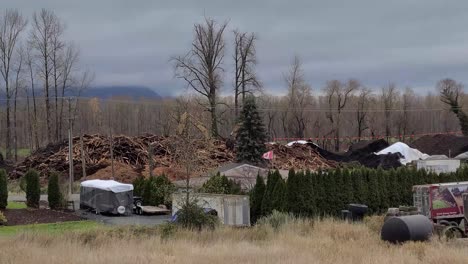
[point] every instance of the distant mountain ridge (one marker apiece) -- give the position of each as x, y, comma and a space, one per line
134, 92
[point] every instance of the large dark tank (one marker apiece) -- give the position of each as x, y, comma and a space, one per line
407, 228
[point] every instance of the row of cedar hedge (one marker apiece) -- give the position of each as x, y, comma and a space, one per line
320, 193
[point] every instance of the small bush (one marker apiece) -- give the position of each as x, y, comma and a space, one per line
33, 189
3, 220
276, 220
157, 191
53, 191
193, 217
220, 184
3, 189
139, 186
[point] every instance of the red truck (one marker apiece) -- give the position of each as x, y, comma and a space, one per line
443, 203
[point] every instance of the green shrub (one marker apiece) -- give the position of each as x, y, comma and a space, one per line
139, 186
220, 184
33, 189
157, 191
3, 220
193, 217
276, 220
3, 189
53, 191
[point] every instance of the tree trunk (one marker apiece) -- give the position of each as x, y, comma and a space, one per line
15, 132
8, 128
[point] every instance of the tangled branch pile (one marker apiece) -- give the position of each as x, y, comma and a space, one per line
131, 152
299, 157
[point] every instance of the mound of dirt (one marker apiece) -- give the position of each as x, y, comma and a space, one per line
363, 152
441, 144
123, 172
37, 216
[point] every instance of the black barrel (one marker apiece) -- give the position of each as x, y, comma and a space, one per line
345, 215
407, 228
357, 211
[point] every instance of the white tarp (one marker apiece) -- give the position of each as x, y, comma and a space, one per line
409, 154
290, 144
463, 156
108, 185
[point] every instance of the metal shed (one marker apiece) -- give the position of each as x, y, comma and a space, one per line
439, 164
232, 210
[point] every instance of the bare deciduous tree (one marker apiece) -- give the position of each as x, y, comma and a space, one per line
337, 96
299, 97
202, 68
389, 96
41, 40
244, 62
404, 124
57, 45
363, 102
12, 24
33, 119
18, 85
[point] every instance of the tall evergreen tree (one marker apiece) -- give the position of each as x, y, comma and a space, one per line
256, 197
278, 195
308, 199
267, 201
374, 201
33, 188
251, 135
3, 189
292, 192
54, 196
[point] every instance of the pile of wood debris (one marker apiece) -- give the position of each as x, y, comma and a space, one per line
299, 157
131, 157
130, 152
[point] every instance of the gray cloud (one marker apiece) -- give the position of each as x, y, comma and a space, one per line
409, 42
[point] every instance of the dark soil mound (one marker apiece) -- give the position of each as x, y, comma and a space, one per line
363, 152
37, 216
449, 145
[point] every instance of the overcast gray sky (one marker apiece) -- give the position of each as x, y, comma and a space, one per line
409, 42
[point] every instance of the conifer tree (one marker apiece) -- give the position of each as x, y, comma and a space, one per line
54, 196
267, 202
309, 195
279, 202
349, 188
33, 189
251, 135
256, 197
3, 189
292, 193
373, 202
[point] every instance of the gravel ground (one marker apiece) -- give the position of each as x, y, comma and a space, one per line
147, 220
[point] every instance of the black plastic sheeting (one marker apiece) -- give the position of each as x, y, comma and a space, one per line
103, 201
363, 152
407, 228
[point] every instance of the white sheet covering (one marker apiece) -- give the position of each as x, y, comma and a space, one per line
108, 185
409, 154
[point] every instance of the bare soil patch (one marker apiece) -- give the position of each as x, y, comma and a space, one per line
37, 216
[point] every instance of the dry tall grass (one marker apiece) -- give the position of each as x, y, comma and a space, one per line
326, 241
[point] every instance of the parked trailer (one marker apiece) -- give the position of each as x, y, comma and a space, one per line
443, 203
